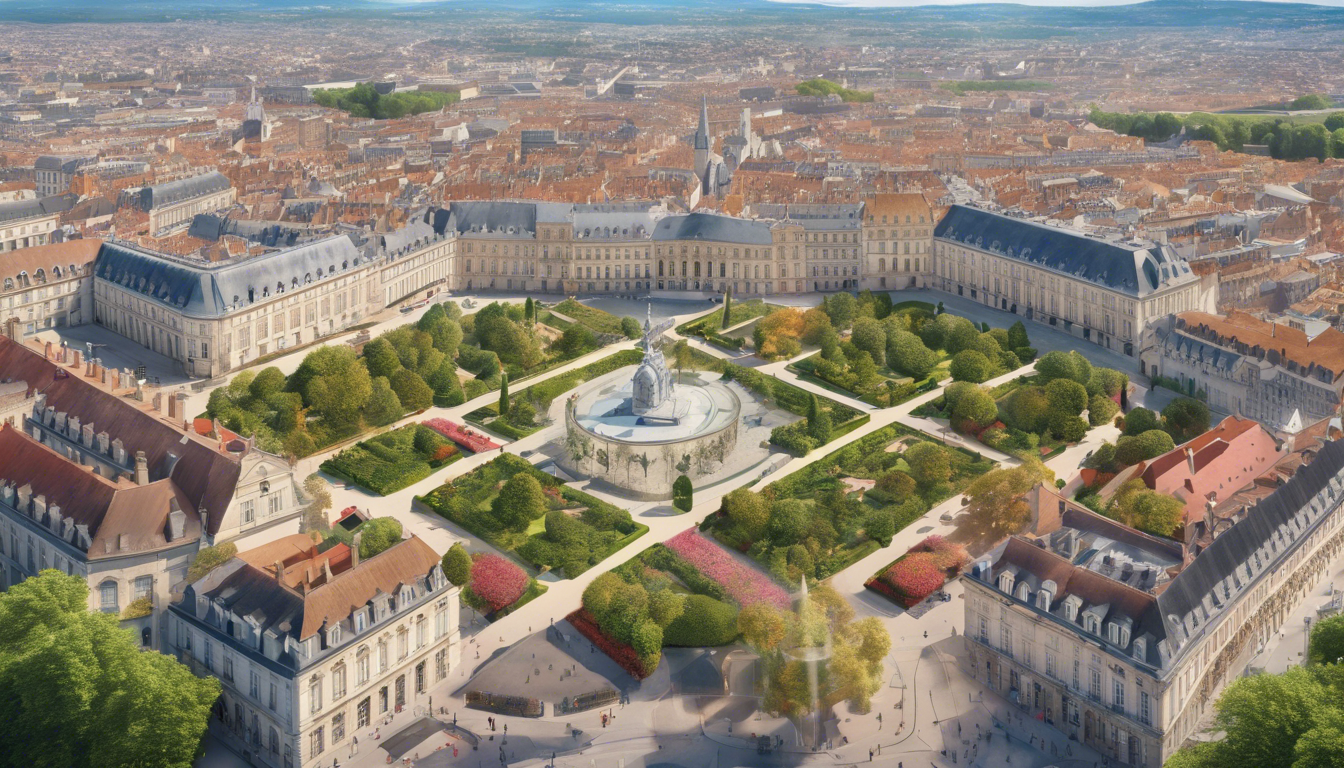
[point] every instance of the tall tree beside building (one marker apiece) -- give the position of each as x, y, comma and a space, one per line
76, 690
504, 394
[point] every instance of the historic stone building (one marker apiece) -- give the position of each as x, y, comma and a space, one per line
95, 483
1270, 372
47, 286
897, 241
312, 647
173, 204
1123, 640
1102, 289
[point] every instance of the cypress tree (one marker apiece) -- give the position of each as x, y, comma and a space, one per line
529, 311
818, 421
504, 393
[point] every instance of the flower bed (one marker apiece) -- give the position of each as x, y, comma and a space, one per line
622, 654
920, 572
393, 460
497, 582
458, 434
745, 585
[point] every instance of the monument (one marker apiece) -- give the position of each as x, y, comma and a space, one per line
639, 435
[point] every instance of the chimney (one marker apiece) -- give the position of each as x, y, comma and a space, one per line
280, 571
205, 521
326, 571
141, 468
177, 521
354, 548
1190, 460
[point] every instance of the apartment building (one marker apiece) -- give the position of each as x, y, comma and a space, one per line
47, 286
173, 204
1123, 640
1101, 289
1270, 372
26, 223
53, 174
310, 647
94, 482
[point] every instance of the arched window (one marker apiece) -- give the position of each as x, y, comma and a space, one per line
107, 593
41, 276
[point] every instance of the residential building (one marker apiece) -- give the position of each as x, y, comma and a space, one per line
26, 223
173, 204
53, 174
1123, 640
1240, 364
311, 647
1102, 289
46, 286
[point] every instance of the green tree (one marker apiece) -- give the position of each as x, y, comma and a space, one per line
970, 402
529, 311
576, 340
1027, 409
268, 383
1017, 336
522, 414
929, 462
630, 328
334, 384
412, 391
906, 353
818, 419
681, 493
747, 510
1064, 365
1131, 449
995, 498
381, 358
378, 535
1334, 121
1066, 396
1068, 428
504, 394
1106, 381
1186, 418
880, 526
970, 365
727, 308
1101, 410
76, 690
1141, 420
384, 407
1286, 703
869, 336
519, 502
840, 308
457, 565
665, 606
1327, 641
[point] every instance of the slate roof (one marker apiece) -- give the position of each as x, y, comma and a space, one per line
1269, 530
114, 513
1137, 269
167, 193
215, 290
818, 217
29, 209
713, 227
207, 476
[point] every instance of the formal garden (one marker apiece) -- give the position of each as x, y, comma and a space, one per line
525, 411
444, 359
825, 419
393, 460
733, 313
1036, 415
894, 353
827, 516
517, 508
684, 593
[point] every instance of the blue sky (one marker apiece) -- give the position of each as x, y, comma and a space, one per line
1055, 3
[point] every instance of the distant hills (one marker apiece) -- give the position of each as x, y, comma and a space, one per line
1064, 20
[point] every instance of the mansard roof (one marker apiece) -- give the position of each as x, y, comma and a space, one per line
176, 191
28, 209
1131, 267
714, 228
213, 290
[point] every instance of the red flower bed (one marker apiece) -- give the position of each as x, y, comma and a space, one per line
620, 653
497, 581
461, 435
920, 572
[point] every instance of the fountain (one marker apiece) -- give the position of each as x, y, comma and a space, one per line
640, 435
812, 656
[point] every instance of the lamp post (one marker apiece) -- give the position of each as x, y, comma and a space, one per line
1306, 641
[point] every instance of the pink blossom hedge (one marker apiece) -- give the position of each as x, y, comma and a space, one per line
921, 571
745, 585
497, 581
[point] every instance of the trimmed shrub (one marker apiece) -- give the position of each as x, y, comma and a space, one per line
704, 621
497, 582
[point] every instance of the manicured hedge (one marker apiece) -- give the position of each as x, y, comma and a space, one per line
393, 460
622, 654
703, 622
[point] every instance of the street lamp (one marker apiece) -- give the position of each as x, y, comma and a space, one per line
1306, 641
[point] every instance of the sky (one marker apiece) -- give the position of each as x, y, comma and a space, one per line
1053, 3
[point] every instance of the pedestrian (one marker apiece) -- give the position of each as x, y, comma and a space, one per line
870, 754
958, 728
506, 727
926, 634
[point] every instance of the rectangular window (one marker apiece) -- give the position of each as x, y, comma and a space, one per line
248, 510
1145, 713
1118, 694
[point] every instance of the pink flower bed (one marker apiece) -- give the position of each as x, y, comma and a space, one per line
460, 435
921, 571
497, 581
745, 585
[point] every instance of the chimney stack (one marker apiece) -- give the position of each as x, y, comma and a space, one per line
1190, 460
141, 468
280, 571
354, 548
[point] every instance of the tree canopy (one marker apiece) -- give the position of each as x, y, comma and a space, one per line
76, 690
364, 101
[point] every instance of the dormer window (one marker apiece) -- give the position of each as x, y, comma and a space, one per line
1092, 624
265, 487
1006, 580
1023, 592
1071, 605
360, 621
1140, 649
334, 636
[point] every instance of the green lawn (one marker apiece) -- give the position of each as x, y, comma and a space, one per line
597, 529
591, 318
542, 394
